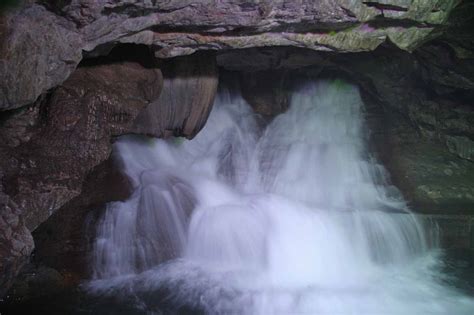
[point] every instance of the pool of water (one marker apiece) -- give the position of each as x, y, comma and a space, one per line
458, 267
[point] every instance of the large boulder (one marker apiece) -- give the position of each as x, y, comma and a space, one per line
16, 243
47, 150
73, 135
189, 87
38, 51
65, 240
53, 152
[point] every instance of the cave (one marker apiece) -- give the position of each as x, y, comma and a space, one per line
236, 157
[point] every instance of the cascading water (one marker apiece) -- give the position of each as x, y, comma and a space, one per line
292, 217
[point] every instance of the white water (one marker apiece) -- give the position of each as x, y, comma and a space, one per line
295, 217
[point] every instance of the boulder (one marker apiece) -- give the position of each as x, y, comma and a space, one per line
64, 241
51, 147
56, 153
38, 51
189, 87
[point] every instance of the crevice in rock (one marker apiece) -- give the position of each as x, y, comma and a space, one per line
384, 22
384, 6
141, 54
55, 6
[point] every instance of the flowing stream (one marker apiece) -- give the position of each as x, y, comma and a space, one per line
294, 216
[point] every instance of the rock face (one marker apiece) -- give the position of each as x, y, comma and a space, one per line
190, 84
73, 136
46, 39
419, 106
63, 137
266, 91
16, 242
64, 241
48, 149
40, 33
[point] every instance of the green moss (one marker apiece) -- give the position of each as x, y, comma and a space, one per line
340, 85
351, 28
178, 140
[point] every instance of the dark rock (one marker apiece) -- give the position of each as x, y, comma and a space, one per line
16, 243
38, 51
36, 282
444, 70
432, 179
50, 142
54, 153
458, 35
418, 106
189, 87
263, 59
267, 92
65, 240
44, 41
79, 119
58, 142
425, 136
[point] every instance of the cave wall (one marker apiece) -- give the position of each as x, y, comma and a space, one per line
415, 110
66, 93
51, 149
44, 40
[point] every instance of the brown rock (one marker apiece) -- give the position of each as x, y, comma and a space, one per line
16, 243
267, 91
65, 240
93, 105
58, 142
38, 51
189, 87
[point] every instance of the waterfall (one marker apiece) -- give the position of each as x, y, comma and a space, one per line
291, 216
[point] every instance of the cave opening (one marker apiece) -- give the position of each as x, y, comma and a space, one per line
81, 250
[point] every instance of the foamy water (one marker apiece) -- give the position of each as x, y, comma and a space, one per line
292, 217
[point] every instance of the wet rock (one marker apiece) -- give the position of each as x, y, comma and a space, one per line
65, 240
16, 243
267, 92
458, 34
58, 142
189, 87
80, 117
48, 148
431, 178
461, 146
54, 153
418, 106
264, 59
453, 231
36, 282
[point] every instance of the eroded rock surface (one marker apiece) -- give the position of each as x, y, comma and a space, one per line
419, 107
189, 87
61, 138
44, 41
65, 240
49, 149
266, 91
